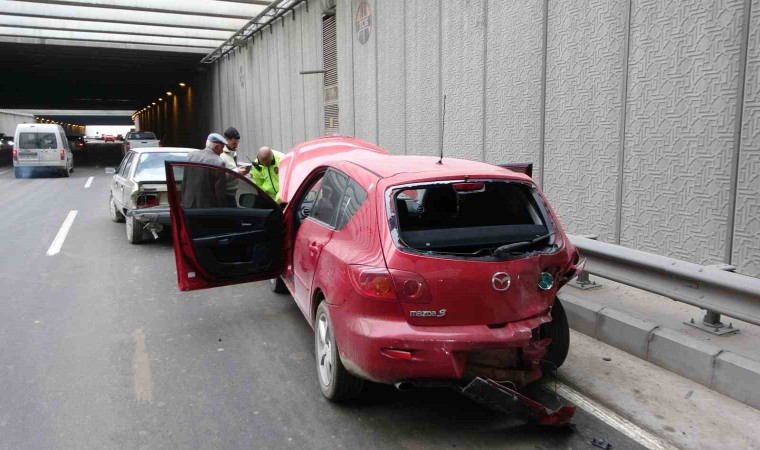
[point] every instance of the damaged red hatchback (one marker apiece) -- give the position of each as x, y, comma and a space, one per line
409, 270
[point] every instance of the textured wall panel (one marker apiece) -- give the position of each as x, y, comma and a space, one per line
273, 69
264, 89
311, 38
462, 77
365, 81
513, 81
283, 84
584, 81
344, 29
746, 248
296, 119
423, 97
390, 75
682, 100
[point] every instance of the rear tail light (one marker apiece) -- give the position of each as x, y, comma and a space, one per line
80, 145
148, 201
372, 282
62, 153
15, 154
411, 287
384, 284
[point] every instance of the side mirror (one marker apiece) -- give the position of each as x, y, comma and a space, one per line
110, 171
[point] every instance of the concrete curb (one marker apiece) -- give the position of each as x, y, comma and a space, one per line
726, 372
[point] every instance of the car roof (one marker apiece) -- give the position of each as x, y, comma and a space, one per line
162, 149
350, 155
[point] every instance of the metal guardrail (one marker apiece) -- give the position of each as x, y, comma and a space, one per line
705, 287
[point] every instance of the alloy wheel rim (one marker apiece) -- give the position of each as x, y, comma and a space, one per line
324, 350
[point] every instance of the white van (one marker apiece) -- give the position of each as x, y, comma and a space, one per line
41, 145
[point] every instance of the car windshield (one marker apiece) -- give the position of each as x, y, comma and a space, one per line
150, 166
36, 141
142, 135
478, 219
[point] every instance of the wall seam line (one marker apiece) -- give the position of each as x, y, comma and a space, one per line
623, 117
403, 76
377, 87
484, 89
440, 73
731, 224
542, 113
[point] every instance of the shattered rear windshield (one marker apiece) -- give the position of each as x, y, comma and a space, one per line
477, 218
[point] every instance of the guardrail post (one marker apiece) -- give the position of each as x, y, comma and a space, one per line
711, 321
582, 281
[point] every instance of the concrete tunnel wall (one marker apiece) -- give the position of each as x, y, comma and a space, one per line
9, 120
637, 115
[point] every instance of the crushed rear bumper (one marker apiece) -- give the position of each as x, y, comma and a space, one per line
156, 215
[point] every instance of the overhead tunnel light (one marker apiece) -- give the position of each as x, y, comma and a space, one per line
182, 85
152, 103
160, 99
169, 93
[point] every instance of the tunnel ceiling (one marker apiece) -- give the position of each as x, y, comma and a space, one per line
116, 54
60, 77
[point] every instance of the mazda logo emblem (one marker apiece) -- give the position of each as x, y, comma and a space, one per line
500, 281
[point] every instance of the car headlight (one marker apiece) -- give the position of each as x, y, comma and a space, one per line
11, 143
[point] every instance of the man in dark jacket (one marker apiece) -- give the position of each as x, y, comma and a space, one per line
205, 187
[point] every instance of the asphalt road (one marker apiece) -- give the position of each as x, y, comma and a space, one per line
100, 350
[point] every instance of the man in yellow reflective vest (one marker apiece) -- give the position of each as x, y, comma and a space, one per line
266, 172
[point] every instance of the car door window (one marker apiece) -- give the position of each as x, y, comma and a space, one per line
328, 198
353, 198
127, 165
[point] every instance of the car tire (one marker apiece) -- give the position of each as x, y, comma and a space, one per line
134, 230
17, 172
116, 215
334, 380
559, 332
278, 286
66, 172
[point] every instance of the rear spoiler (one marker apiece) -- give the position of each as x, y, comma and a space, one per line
526, 168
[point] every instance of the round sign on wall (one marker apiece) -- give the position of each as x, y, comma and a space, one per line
363, 22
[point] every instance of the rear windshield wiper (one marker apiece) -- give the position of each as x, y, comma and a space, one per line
521, 244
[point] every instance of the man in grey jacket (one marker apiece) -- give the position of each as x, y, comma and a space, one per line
203, 187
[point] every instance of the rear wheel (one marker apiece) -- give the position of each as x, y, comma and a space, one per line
134, 230
334, 380
559, 332
278, 286
66, 172
17, 172
116, 215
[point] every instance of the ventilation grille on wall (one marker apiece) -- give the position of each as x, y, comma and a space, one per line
330, 57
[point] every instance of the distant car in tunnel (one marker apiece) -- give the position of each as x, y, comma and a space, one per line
77, 144
119, 137
6, 149
409, 270
138, 191
108, 138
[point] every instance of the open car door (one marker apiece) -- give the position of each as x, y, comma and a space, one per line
225, 229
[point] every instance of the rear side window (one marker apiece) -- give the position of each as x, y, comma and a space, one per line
327, 203
36, 141
352, 200
127, 165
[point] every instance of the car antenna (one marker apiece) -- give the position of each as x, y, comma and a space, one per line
443, 128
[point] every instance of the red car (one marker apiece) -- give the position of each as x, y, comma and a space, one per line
108, 137
410, 271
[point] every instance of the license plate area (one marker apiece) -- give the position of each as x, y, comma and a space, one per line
27, 156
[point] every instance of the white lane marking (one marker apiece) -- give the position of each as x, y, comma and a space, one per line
5, 171
89, 182
55, 247
614, 420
